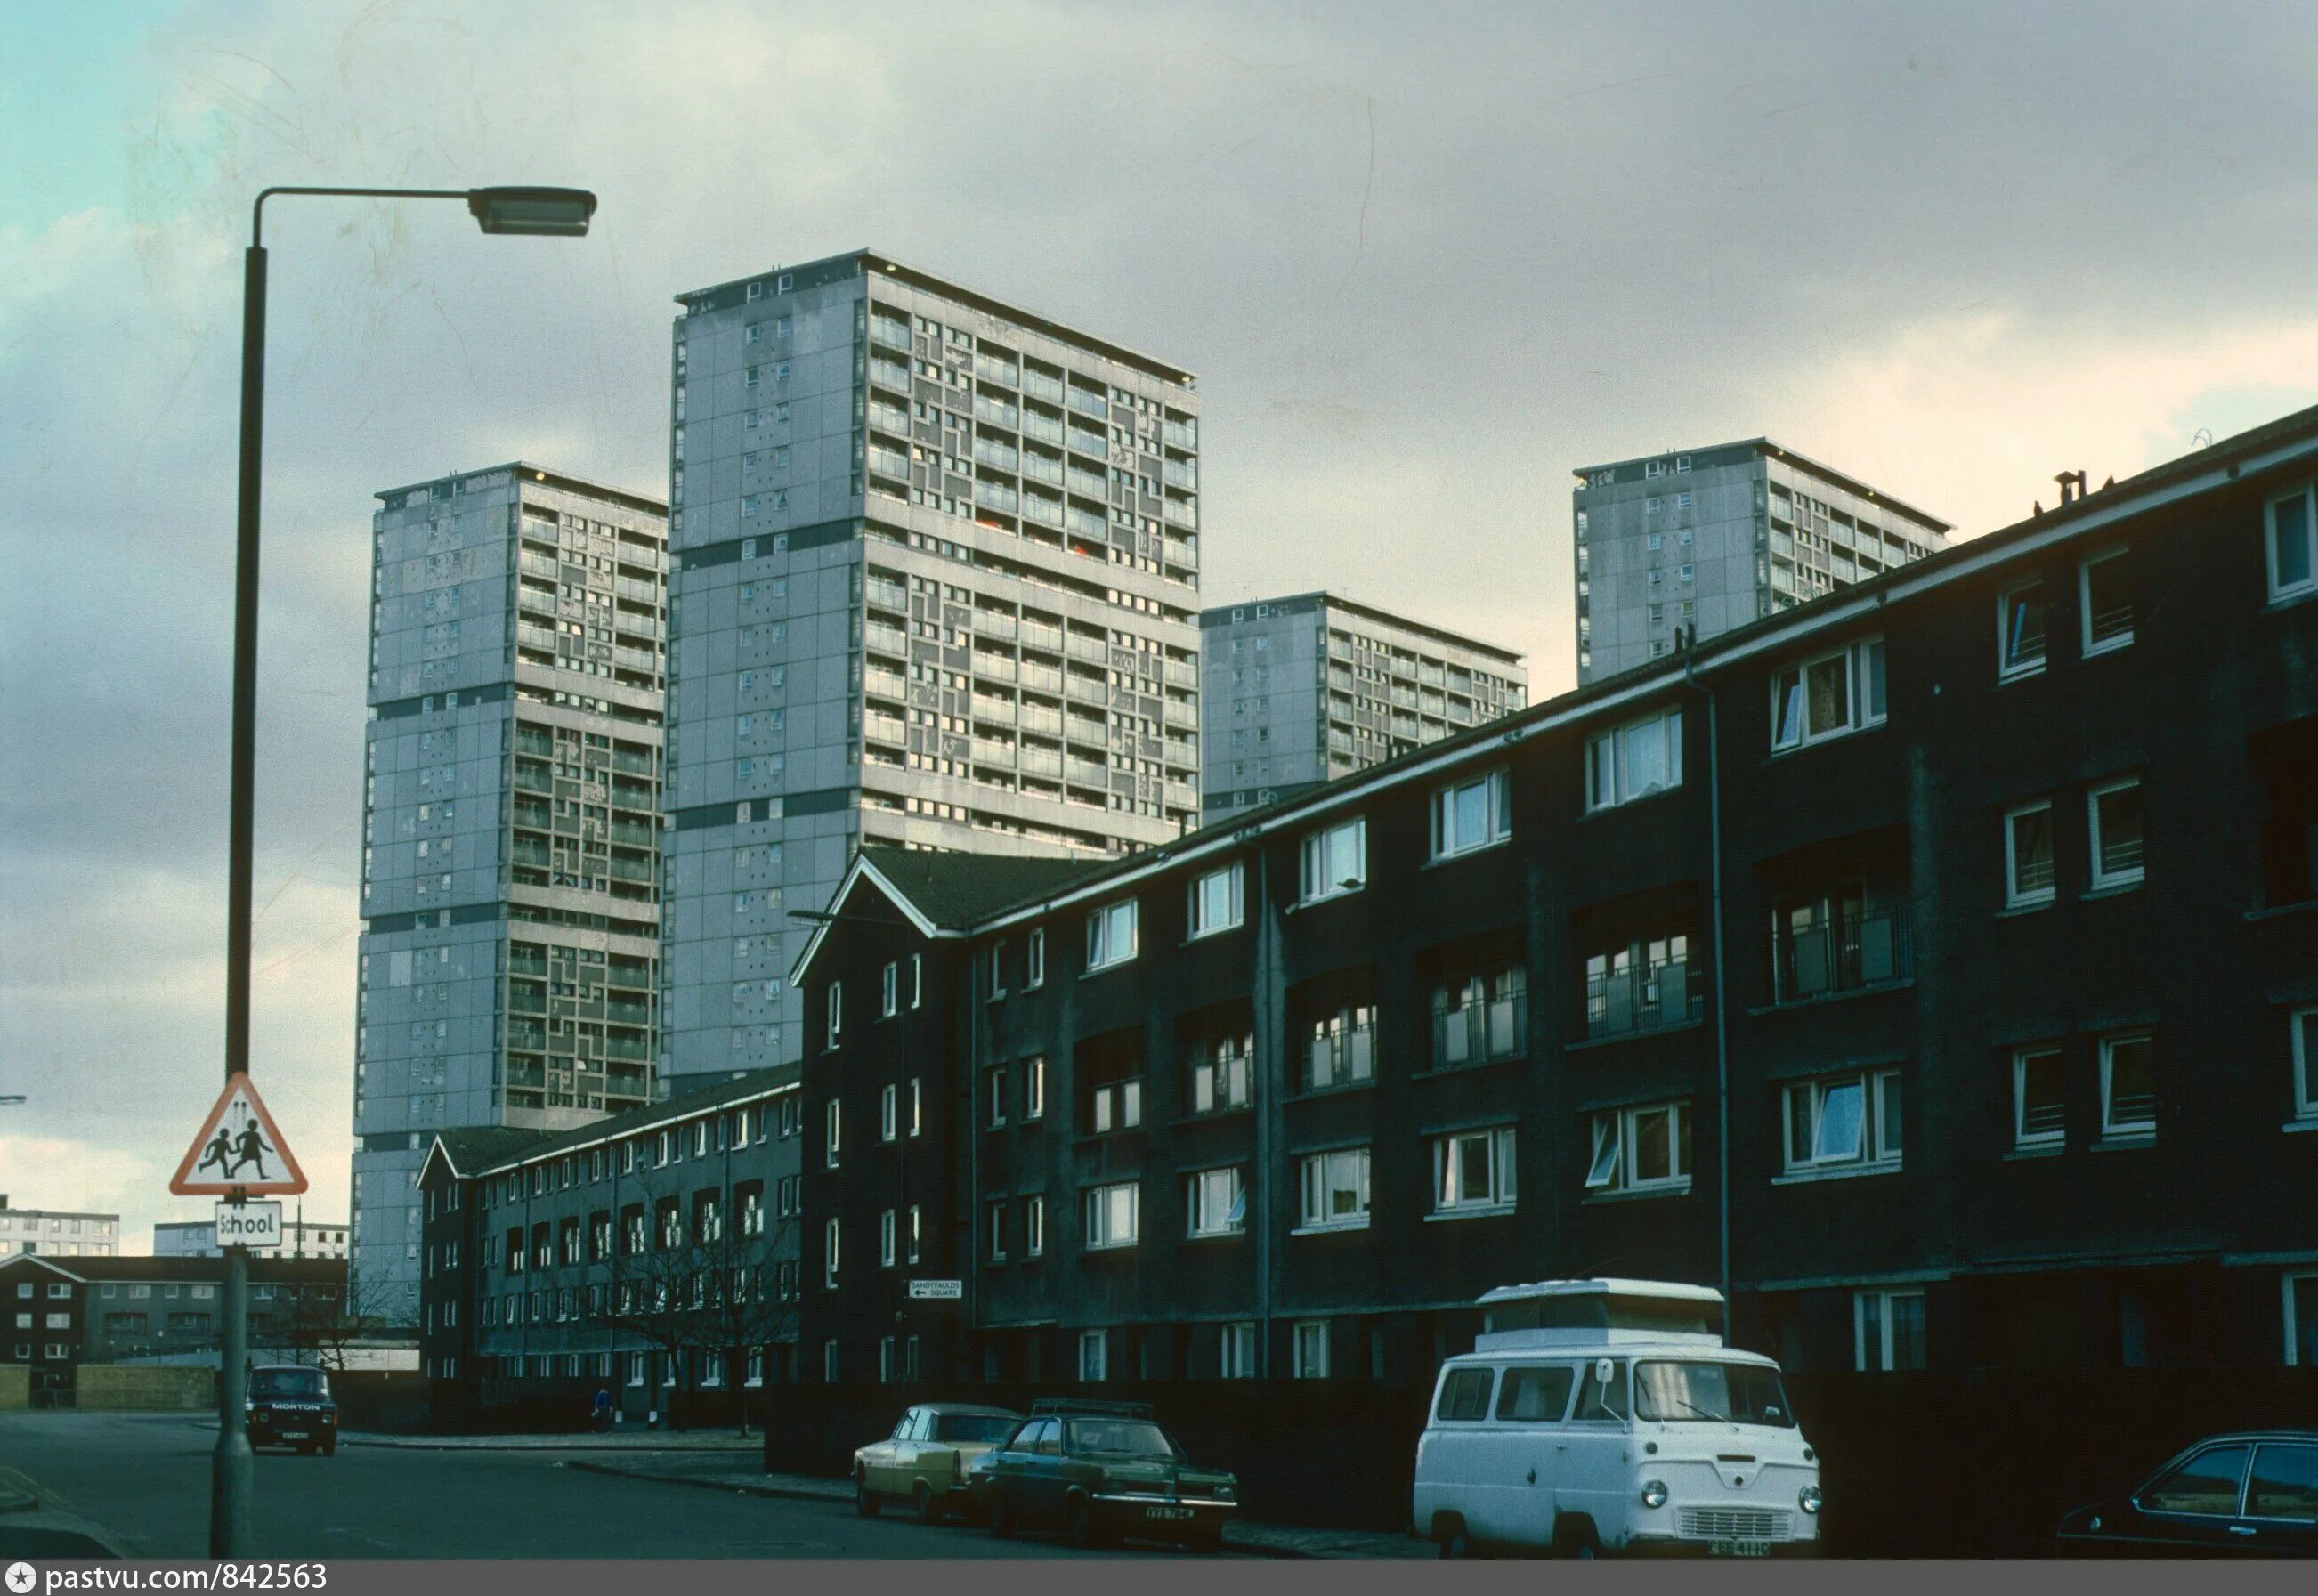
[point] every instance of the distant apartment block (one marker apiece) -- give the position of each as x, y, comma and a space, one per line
1705, 540
56, 1234
197, 1238
935, 582
1300, 690
511, 825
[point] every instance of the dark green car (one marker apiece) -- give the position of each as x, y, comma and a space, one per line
1101, 1472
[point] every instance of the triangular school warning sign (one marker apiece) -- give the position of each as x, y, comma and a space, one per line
237, 1149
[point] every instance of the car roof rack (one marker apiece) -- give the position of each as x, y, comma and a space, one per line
1085, 1405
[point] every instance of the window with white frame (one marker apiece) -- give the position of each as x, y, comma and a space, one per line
995, 1096
1311, 1346
889, 1113
2104, 601
1644, 1148
1472, 814
1844, 1122
2128, 1064
1215, 1203
917, 1106
2020, 628
1034, 1088
889, 991
998, 968
2290, 544
1888, 1330
1340, 1048
1217, 900
1473, 1171
829, 1255
1335, 1186
2028, 873
1114, 1094
917, 979
2302, 1038
2039, 1101
1634, 760
836, 1011
1236, 1350
1094, 1356
1034, 959
995, 1213
2301, 1293
1111, 935
889, 1228
1033, 1226
833, 1125
2115, 811
1828, 695
1334, 860
1112, 1215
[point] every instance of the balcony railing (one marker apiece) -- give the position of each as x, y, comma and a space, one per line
1340, 1058
895, 333
1480, 1032
1853, 955
1629, 1001
1087, 402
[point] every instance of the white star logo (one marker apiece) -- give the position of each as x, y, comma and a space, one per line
21, 1577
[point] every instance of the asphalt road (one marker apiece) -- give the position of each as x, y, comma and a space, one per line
145, 1479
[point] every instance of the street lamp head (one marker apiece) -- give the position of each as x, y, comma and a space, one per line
540, 212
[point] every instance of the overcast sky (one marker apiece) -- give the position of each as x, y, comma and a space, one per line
1425, 258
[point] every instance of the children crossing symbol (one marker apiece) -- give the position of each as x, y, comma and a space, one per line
237, 1150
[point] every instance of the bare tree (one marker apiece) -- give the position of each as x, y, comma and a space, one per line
701, 1272
323, 1330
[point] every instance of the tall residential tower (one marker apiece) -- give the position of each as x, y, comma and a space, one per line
934, 582
1708, 539
510, 828
1304, 689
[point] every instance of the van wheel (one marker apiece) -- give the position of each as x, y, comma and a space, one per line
1455, 1544
1575, 1538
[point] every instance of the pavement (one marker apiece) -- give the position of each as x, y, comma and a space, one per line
137, 1485
1250, 1536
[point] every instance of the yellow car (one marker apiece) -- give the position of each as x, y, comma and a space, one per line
923, 1461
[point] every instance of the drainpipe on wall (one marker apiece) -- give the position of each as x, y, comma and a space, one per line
1722, 985
1266, 1026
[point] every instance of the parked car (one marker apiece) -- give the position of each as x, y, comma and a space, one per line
924, 1461
1104, 1470
290, 1404
1602, 1417
2248, 1492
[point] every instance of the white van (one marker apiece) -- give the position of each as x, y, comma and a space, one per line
1607, 1417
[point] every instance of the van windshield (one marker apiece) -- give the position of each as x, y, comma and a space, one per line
1701, 1391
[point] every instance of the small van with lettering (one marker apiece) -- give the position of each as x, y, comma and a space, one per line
1607, 1417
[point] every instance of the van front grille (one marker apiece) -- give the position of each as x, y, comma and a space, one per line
1733, 1524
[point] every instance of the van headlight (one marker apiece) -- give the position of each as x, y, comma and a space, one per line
1808, 1499
1654, 1494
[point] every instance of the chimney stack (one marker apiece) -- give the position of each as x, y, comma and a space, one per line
2073, 486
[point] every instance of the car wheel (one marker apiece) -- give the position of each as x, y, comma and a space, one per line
1083, 1528
1002, 1520
1207, 1540
1454, 1542
922, 1500
329, 1449
865, 1500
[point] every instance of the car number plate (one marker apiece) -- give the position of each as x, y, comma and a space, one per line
294, 1435
1738, 1548
1166, 1512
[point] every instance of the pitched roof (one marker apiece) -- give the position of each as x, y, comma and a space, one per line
488, 1149
954, 890
142, 1269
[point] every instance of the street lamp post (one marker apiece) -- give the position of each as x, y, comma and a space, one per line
555, 212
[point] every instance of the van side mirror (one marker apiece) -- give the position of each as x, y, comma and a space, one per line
1605, 1373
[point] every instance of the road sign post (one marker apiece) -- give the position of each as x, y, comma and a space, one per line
238, 1141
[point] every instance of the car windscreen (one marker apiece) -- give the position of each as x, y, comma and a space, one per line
1691, 1391
992, 1428
1131, 1437
287, 1382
